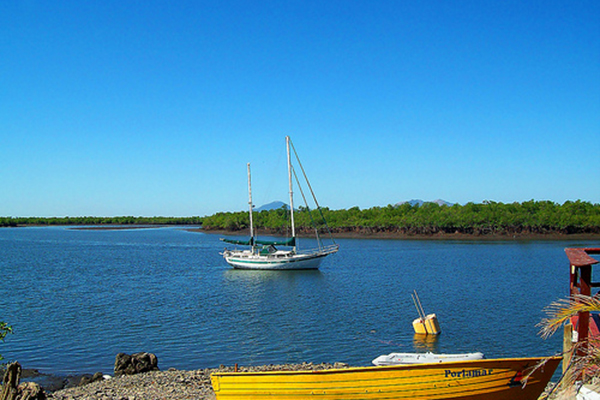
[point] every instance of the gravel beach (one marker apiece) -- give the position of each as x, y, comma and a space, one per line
167, 385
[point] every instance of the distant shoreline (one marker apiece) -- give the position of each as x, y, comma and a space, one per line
105, 227
114, 227
362, 234
436, 236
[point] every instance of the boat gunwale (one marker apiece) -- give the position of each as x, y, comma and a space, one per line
375, 368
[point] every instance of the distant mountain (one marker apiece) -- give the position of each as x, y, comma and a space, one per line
443, 203
419, 202
274, 205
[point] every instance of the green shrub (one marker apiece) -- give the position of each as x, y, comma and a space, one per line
4, 330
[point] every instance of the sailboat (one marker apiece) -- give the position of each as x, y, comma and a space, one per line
263, 254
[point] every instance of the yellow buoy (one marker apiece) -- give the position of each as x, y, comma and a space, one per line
425, 325
419, 326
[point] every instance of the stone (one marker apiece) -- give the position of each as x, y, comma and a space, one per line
30, 391
123, 365
126, 364
98, 376
86, 379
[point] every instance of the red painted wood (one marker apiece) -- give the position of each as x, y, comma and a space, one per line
580, 257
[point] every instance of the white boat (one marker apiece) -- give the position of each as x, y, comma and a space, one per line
263, 254
424, 358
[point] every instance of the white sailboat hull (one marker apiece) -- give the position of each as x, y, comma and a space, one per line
247, 260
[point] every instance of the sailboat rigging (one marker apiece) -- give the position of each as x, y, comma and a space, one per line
262, 253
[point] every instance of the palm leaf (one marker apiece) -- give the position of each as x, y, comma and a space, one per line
585, 360
562, 310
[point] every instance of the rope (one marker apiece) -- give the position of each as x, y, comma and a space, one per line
311, 191
314, 224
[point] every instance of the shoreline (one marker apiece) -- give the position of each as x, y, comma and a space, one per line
358, 233
176, 384
171, 384
114, 227
435, 236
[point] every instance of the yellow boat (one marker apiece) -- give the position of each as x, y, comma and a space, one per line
495, 379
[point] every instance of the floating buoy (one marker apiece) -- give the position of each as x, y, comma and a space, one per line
425, 324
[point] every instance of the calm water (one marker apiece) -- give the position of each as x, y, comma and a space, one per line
76, 298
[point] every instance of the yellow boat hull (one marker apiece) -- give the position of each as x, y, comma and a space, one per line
495, 379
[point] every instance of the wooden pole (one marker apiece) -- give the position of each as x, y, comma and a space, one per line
12, 376
420, 310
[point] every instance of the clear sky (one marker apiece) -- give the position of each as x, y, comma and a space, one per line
151, 108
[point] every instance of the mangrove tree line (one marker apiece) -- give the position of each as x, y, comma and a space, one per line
124, 220
430, 218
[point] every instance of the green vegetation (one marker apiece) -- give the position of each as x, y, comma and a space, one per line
9, 221
585, 355
489, 217
430, 218
4, 330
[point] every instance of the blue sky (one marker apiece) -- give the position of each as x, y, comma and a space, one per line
154, 108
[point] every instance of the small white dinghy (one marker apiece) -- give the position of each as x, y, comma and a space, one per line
423, 358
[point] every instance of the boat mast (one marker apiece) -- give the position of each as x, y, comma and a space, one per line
287, 145
251, 207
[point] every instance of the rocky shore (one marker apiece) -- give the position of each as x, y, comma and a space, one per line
173, 384
166, 385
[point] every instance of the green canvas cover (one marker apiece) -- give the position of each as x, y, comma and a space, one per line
241, 242
251, 241
286, 242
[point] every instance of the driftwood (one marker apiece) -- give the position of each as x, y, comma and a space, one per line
30, 391
10, 382
11, 390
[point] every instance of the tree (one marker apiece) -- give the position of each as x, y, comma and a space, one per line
4, 330
483, 218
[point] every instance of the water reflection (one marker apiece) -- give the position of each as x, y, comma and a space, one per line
424, 343
253, 276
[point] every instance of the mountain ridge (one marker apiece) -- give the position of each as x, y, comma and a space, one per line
419, 202
275, 205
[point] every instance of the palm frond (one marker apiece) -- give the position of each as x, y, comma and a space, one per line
562, 310
585, 354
